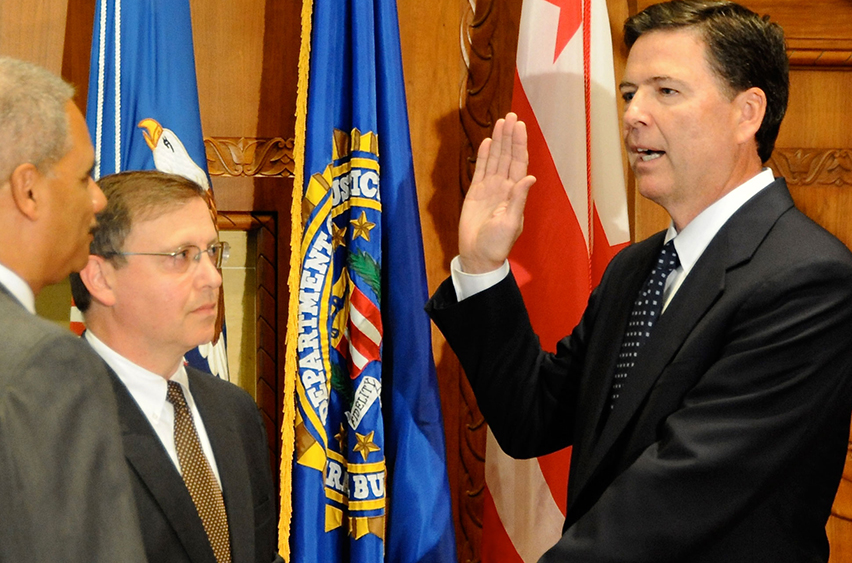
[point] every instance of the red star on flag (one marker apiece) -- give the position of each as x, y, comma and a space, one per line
570, 18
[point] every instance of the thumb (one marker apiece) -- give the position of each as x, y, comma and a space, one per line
518, 196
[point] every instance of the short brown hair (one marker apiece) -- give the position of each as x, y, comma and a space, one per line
139, 195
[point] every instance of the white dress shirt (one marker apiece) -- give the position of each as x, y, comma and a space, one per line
690, 243
149, 390
18, 287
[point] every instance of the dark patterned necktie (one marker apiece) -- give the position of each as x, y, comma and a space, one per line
646, 310
199, 477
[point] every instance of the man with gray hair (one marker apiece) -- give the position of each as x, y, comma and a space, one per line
64, 489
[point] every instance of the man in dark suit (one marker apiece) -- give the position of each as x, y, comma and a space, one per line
716, 433
195, 445
64, 491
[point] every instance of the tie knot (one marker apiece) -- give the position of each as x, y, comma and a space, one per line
668, 259
175, 395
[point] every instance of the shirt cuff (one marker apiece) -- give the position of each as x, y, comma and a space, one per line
468, 285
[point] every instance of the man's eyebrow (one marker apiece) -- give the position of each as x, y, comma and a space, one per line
653, 80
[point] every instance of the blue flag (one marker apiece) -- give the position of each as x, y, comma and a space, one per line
142, 108
369, 476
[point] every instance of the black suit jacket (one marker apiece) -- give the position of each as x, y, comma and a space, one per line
728, 441
171, 528
64, 490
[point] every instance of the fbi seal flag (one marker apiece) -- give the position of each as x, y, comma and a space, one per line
339, 431
363, 458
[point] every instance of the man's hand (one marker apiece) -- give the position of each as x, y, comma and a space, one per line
492, 216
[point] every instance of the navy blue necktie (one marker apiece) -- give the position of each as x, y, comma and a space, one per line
646, 310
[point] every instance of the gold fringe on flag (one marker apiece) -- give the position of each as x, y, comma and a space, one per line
290, 367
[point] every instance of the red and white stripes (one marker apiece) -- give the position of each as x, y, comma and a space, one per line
565, 92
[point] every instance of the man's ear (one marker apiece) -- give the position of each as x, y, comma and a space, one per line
752, 104
25, 189
99, 278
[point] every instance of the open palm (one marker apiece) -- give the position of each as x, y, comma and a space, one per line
492, 216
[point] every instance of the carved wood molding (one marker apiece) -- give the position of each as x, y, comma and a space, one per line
477, 93
489, 36
244, 156
821, 59
806, 167
477, 118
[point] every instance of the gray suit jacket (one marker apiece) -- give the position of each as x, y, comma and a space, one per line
64, 488
728, 440
171, 529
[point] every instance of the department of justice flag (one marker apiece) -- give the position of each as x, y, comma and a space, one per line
369, 480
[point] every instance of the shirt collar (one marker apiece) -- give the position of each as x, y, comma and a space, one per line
146, 387
691, 242
20, 289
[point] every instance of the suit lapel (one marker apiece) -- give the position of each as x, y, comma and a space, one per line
154, 467
231, 462
735, 243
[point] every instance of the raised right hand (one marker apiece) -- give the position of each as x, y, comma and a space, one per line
492, 215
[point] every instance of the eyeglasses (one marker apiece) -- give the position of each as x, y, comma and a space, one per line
185, 256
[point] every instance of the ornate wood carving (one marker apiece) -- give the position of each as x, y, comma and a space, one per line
489, 37
804, 167
243, 156
264, 229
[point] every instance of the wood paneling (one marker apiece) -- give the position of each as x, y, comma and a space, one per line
34, 30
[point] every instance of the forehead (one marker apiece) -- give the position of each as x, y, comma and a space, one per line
183, 222
680, 54
82, 153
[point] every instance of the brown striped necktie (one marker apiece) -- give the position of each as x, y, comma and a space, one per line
199, 477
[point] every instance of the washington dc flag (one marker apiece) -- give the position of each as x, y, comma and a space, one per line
575, 220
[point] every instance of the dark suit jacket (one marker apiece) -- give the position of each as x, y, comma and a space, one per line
64, 489
728, 441
171, 528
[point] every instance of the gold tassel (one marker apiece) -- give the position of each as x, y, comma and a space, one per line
290, 361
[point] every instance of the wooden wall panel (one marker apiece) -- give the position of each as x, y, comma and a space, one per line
34, 30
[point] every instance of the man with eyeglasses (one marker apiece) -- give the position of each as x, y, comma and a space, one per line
196, 445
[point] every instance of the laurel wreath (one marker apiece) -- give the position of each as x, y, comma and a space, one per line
370, 271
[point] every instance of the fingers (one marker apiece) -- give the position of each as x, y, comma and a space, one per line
504, 155
492, 164
519, 155
503, 149
481, 160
